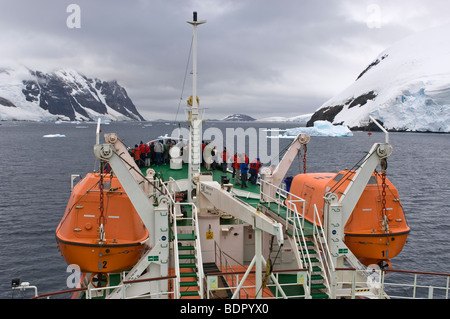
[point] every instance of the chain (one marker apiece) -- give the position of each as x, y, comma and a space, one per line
304, 158
383, 192
101, 187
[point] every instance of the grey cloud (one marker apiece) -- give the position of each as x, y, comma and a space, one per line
284, 58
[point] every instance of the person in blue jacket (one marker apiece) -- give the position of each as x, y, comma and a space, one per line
244, 170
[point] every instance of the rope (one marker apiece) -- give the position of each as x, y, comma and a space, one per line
351, 171
269, 266
184, 80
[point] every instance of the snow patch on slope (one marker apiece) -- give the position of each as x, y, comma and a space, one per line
411, 81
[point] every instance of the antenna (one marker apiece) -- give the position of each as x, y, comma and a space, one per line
194, 118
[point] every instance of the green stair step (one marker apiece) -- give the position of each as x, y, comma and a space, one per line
316, 268
317, 286
188, 284
188, 265
316, 277
186, 248
188, 293
320, 295
313, 260
187, 256
186, 237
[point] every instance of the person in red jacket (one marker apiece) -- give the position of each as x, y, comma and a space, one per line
136, 154
142, 154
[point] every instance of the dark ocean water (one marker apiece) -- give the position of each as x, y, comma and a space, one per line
35, 186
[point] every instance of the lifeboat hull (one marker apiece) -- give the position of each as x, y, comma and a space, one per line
373, 249
78, 234
370, 236
105, 258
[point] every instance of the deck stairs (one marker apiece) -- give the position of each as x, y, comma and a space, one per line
187, 255
307, 241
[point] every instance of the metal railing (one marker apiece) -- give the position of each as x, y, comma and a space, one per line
212, 279
293, 218
221, 260
429, 290
168, 189
90, 291
321, 242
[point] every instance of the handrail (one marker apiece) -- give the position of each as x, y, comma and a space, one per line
289, 200
242, 272
194, 219
415, 285
417, 272
198, 248
175, 243
329, 266
93, 289
227, 265
301, 239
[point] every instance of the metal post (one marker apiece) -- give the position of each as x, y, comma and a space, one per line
258, 263
193, 117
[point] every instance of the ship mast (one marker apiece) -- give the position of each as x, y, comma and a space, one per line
194, 117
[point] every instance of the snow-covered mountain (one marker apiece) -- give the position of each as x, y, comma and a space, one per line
300, 119
238, 117
61, 95
407, 88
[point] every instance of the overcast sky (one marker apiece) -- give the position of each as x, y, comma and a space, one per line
258, 57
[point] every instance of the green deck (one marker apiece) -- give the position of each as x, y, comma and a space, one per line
164, 172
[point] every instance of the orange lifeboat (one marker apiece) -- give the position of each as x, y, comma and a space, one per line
101, 243
373, 233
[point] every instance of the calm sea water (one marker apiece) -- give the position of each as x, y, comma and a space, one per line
35, 186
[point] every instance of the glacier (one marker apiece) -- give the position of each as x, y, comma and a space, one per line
406, 88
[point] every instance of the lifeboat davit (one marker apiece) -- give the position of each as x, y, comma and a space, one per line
101, 243
372, 233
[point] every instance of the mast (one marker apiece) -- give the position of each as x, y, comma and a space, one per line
194, 116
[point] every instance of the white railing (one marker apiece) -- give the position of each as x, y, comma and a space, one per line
293, 218
428, 289
321, 241
198, 253
271, 193
250, 285
175, 241
169, 189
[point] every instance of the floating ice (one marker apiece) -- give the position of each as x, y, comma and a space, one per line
320, 128
54, 135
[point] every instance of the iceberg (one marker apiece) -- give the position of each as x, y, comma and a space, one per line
320, 128
54, 135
